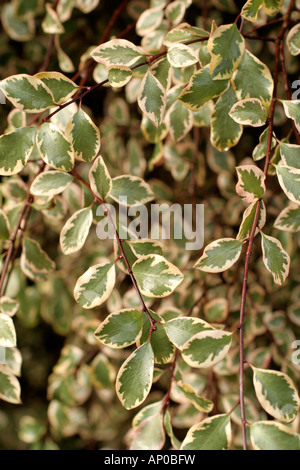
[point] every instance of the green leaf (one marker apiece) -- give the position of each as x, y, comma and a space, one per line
4, 226
130, 191
15, 149
290, 154
119, 76
169, 430
225, 132
248, 220
292, 110
200, 403
161, 70
182, 329
249, 112
8, 338
259, 84
289, 179
50, 183
54, 148
293, 40
134, 379
95, 285
152, 98
289, 219
260, 150
250, 9
156, 276
117, 52
34, 260
272, 6
181, 55
149, 20
61, 87
206, 348
27, 93
100, 180
227, 47
120, 329
162, 348
212, 433
269, 435
103, 374
276, 393
51, 23
275, 258
84, 135
75, 231
219, 255
201, 89
251, 183
10, 390
31, 429
216, 310
149, 434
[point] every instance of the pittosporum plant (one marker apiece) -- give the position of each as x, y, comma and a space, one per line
112, 111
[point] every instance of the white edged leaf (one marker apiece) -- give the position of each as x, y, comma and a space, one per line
54, 148
61, 87
4, 226
292, 110
100, 180
50, 183
182, 329
289, 218
220, 255
134, 379
156, 276
8, 306
179, 120
8, 337
250, 10
289, 180
290, 154
276, 393
51, 23
163, 349
272, 6
248, 220
270, 435
213, 433
249, 112
206, 348
75, 231
149, 20
251, 183
117, 52
275, 258
119, 76
120, 329
181, 55
15, 149
84, 135
95, 285
34, 261
10, 389
293, 40
152, 98
130, 190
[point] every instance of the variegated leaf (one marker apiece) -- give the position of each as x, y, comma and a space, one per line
182, 329
27, 93
156, 276
227, 47
4, 226
100, 180
117, 52
86, 6
54, 147
152, 98
289, 180
134, 379
249, 112
259, 84
120, 329
15, 149
293, 40
181, 55
260, 150
272, 6
84, 135
175, 11
130, 190
250, 10
8, 338
8, 306
51, 23
290, 154
275, 258
206, 348
119, 76
276, 393
225, 132
163, 349
179, 120
200, 403
269, 435
61, 87
248, 220
220, 255
10, 389
201, 89
15, 27
251, 183
149, 20
292, 110
213, 433
34, 260
50, 183
95, 285
75, 231
289, 219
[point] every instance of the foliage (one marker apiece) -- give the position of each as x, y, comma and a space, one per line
164, 102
